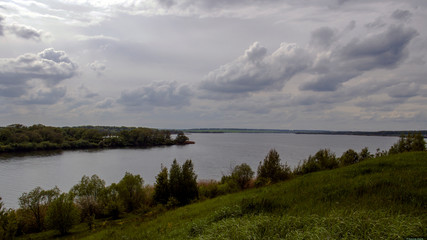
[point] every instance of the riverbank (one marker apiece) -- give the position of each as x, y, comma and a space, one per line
323, 132
380, 198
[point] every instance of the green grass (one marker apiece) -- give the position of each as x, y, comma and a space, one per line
382, 198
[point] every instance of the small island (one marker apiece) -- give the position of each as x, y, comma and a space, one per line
20, 138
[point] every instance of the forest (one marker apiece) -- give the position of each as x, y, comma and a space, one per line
20, 138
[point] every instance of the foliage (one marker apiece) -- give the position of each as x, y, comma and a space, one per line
17, 137
131, 192
409, 143
87, 194
62, 214
181, 186
271, 170
181, 138
324, 159
35, 203
8, 223
349, 157
110, 202
242, 174
161, 187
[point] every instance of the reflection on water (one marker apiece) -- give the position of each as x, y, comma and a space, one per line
212, 155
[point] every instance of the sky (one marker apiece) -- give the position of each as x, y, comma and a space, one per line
276, 64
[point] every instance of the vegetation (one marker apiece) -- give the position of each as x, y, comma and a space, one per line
18, 138
271, 170
179, 188
62, 213
382, 198
361, 196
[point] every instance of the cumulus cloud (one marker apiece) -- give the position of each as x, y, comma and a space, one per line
386, 49
158, 94
30, 71
98, 67
256, 71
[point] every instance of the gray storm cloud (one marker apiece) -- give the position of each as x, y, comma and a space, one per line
158, 94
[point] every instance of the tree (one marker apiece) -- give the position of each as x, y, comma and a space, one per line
188, 183
364, 154
8, 223
242, 174
271, 170
62, 214
181, 138
87, 194
110, 201
409, 143
175, 176
131, 192
36, 203
349, 157
161, 187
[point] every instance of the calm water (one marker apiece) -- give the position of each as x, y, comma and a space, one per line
212, 155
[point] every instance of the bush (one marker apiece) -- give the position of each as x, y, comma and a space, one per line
242, 174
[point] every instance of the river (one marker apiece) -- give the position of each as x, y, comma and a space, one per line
213, 155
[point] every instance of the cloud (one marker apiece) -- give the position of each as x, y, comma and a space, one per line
383, 50
98, 67
106, 103
47, 68
402, 15
158, 94
25, 32
323, 37
1, 26
256, 71
46, 96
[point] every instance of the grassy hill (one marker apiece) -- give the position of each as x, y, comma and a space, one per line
381, 198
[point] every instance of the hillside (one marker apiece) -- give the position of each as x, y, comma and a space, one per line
382, 198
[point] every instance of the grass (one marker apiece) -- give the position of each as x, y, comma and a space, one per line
382, 198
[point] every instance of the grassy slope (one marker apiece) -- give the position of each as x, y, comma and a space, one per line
382, 198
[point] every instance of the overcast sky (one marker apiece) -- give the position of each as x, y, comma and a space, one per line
283, 64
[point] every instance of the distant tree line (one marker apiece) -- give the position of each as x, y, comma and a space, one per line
91, 199
18, 138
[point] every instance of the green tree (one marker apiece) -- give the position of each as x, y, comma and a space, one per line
131, 192
87, 194
364, 154
110, 201
181, 138
349, 157
410, 142
271, 170
62, 214
242, 174
36, 202
188, 183
161, 187
8, 223
175, 176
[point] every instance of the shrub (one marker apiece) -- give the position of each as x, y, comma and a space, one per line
409, 143
242, 174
